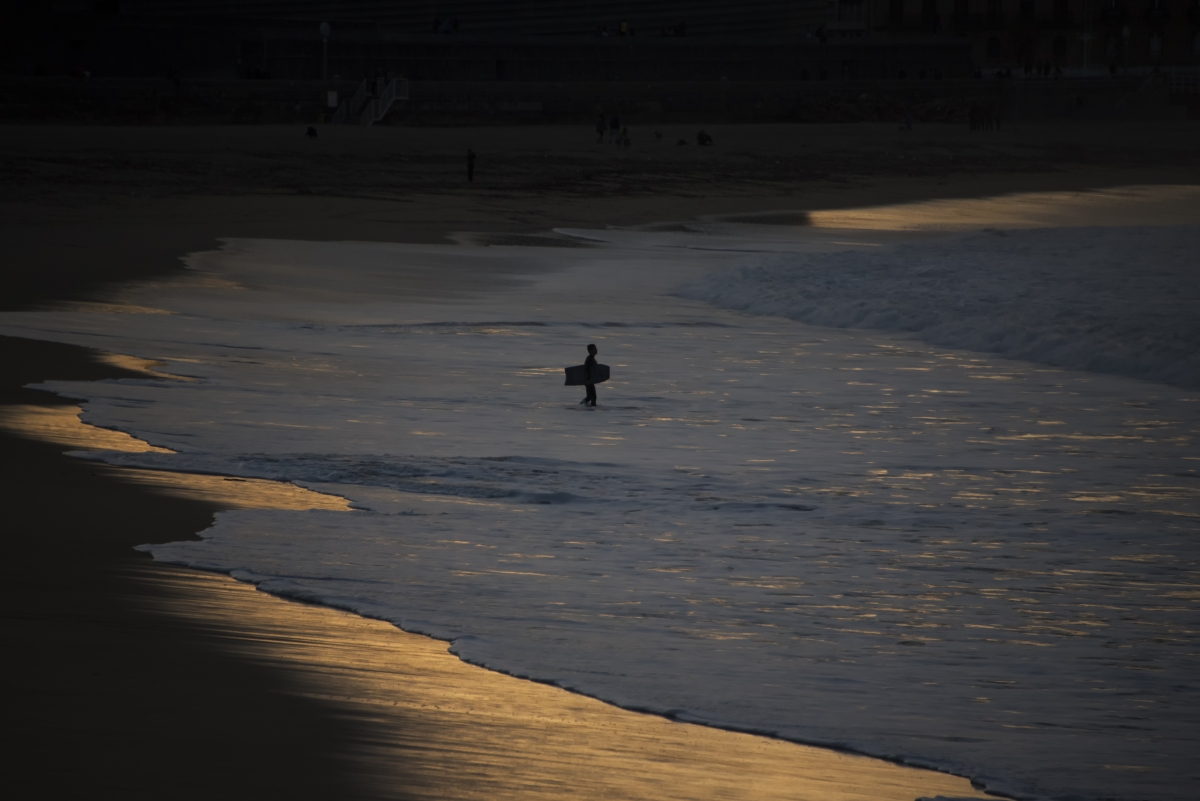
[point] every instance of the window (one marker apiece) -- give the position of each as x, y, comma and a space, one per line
850, 11
929, 12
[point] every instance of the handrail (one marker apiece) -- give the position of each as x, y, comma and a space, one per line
370, 113
378, 108
348, 108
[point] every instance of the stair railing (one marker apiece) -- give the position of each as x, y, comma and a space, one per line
349, 108
378, 107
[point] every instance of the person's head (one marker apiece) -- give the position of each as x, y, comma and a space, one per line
592, 349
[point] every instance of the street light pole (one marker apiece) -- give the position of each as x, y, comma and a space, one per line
325, 30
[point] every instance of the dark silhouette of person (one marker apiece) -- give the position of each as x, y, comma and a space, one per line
589, 364
601, 128
470, 165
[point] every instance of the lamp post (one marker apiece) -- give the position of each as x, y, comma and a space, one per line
325, 30
1087, 33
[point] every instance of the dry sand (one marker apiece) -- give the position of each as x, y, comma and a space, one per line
157, 682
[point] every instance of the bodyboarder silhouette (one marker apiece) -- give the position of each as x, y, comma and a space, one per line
589, 364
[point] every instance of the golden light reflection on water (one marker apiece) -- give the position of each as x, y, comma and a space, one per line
61, 425
435, 727
136, 364
94, 307
232, 493
432, 726
1129, 205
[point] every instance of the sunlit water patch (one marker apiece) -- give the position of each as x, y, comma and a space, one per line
837, 536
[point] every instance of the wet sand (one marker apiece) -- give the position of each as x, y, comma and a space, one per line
153, 681
417, 709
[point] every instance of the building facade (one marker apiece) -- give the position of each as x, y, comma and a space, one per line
1072, 35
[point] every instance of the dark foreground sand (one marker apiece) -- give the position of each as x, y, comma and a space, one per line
118, 679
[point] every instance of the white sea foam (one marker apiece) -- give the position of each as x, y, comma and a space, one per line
837, 536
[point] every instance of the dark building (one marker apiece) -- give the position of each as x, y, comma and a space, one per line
480, 40
1072, 34
518, 17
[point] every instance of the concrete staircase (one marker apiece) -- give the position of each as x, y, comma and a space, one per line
367, 109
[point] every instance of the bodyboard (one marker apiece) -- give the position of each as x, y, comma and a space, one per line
577, 375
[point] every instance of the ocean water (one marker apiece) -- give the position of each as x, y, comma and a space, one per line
1112, 300
859, 533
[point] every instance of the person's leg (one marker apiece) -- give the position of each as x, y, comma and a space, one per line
591, 394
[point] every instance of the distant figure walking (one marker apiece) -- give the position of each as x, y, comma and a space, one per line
470, 165
601, 128
614, 129
589, 365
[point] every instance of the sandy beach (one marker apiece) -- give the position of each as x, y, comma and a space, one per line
156, 681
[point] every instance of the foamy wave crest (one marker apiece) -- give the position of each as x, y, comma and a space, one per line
1082, 298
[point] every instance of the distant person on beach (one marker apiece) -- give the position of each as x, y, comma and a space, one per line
589, 364
601, 127
470, 165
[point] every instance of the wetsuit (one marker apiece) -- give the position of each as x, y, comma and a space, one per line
589, 363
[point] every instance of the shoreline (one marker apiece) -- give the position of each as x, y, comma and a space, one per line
304, 646
132, 697
304, 731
